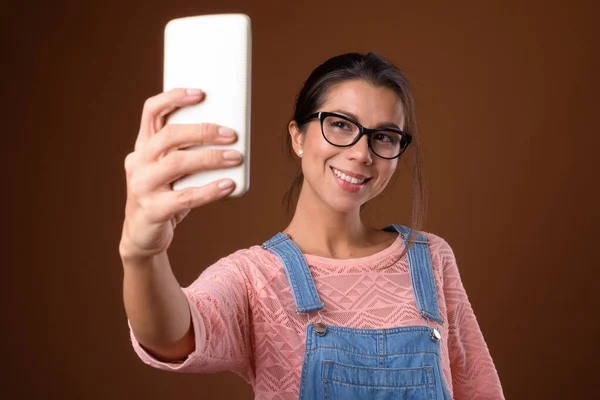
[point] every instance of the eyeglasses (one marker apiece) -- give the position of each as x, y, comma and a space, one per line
341, 131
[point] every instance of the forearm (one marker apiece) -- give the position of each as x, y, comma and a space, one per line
156, 307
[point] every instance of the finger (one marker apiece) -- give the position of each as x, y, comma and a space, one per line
181, 136
179, 217
157, 107
168, 204
178, 164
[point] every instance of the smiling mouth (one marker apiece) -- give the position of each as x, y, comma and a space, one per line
349, 179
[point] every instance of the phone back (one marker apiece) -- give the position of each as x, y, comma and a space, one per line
213, 53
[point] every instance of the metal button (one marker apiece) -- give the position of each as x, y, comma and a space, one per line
435, 335
320, 329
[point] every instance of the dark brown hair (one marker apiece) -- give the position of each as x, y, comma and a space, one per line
377, 71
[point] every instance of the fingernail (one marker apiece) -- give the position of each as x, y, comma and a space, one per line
225, 184
232, 155
226, 132
193, 92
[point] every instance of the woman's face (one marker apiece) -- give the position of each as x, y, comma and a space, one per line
328, 169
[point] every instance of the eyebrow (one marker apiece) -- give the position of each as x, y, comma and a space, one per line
383, 125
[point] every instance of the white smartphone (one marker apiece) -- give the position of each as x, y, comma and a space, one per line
212, 53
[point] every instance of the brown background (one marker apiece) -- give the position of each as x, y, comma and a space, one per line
507, 98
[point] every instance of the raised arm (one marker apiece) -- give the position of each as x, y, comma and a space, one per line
157, 309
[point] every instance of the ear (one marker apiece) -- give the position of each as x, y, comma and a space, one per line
296, 136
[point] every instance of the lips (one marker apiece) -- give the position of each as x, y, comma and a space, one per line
349, 177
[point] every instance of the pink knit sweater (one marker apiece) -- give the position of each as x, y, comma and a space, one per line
245, 319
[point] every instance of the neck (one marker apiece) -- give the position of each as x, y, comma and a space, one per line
319, 230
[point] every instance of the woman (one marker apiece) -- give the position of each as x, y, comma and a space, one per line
329, 308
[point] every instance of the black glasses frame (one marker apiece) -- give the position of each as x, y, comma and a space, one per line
321, 115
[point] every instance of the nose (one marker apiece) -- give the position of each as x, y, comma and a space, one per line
360, 151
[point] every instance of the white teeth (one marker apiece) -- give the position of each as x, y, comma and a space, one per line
347, 178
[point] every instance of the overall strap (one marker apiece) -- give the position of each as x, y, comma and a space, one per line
296, 269
421, 272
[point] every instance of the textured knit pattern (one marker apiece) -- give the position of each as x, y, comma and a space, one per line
245, 319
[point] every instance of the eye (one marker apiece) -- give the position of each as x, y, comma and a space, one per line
340, 124
386, 137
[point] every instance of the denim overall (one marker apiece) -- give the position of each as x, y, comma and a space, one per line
348, 363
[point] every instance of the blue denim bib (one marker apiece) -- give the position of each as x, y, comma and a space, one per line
348, 363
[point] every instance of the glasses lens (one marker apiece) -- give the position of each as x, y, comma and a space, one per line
388, 144
339, 131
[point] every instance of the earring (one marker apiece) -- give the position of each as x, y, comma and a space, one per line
300, 152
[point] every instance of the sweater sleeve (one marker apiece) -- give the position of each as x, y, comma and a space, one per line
219, 307
473, 372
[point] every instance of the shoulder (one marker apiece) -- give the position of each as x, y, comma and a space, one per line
443, 258
254, 265
442, 254
438, 246
249, 257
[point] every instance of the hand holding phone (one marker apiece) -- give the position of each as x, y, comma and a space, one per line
212, 53
164, 181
